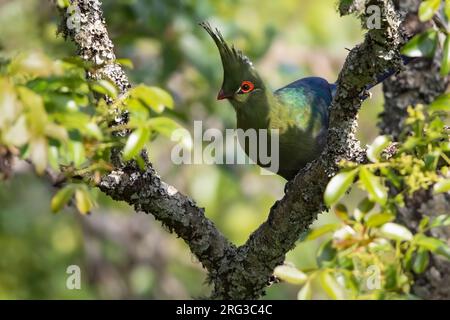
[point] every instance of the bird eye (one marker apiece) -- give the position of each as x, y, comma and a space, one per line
246, 87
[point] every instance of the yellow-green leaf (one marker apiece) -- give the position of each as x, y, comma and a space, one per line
38, 153
445, 65
442, 103
136, 142
338, 185
428, 9
61, 198
153, 97
331, 287
290, 274
421, 261
83, 200
421, 45
163, 125
305, 292
376, 190
376, 148
105, 87
320, 231
442, 186
378, 219
395, 231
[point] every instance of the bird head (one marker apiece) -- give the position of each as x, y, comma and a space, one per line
241, 82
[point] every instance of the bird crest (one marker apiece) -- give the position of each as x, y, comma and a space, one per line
231, 57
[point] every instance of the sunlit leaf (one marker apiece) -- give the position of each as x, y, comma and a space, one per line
428, 9
155, 98
338, 185
421, 45
421, 261
38, 153
442, 103
76, 152
305, 292
440, 221
163, 125
376, 148
332, 288
83, 200
395, 231
445, 65
105, 87
18, 134
320, 231
442, 186
378, 219
61, 198
290, 274
136, 142
376, 190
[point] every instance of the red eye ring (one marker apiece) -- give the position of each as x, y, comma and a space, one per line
247, 86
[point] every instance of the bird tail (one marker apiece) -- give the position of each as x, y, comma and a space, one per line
406, 60
380, 78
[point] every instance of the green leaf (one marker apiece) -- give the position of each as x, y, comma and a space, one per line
63, 3
441, 186
338, 185
442, 103
320, 231
447, 9
305, 292
163, 125
105, 87
38, 154
332, 288
445, 65
341, 212
290, 274
136, 142
440, 221
326, 254
421, 45
376, 148
83, 200
126, 63
61, 198
428, 9
378, 219
395, 231
76, 152
421, 261
153, 97
18, 134
373, 185
433, 244
424, 223
92, 130
428, 243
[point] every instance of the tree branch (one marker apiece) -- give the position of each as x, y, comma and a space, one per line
244, 272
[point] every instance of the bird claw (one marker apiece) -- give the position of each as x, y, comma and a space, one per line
366, 95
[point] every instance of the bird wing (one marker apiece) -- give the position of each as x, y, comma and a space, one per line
305, 103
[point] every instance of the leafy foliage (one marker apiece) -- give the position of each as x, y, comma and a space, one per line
369, 255
53, 117
425, 43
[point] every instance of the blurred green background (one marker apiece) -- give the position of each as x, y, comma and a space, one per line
123, 254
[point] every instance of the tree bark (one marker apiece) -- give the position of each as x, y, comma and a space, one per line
244, 272
419, 83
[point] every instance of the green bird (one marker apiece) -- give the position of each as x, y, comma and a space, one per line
299, 111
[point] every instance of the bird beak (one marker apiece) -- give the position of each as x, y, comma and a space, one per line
222, 95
